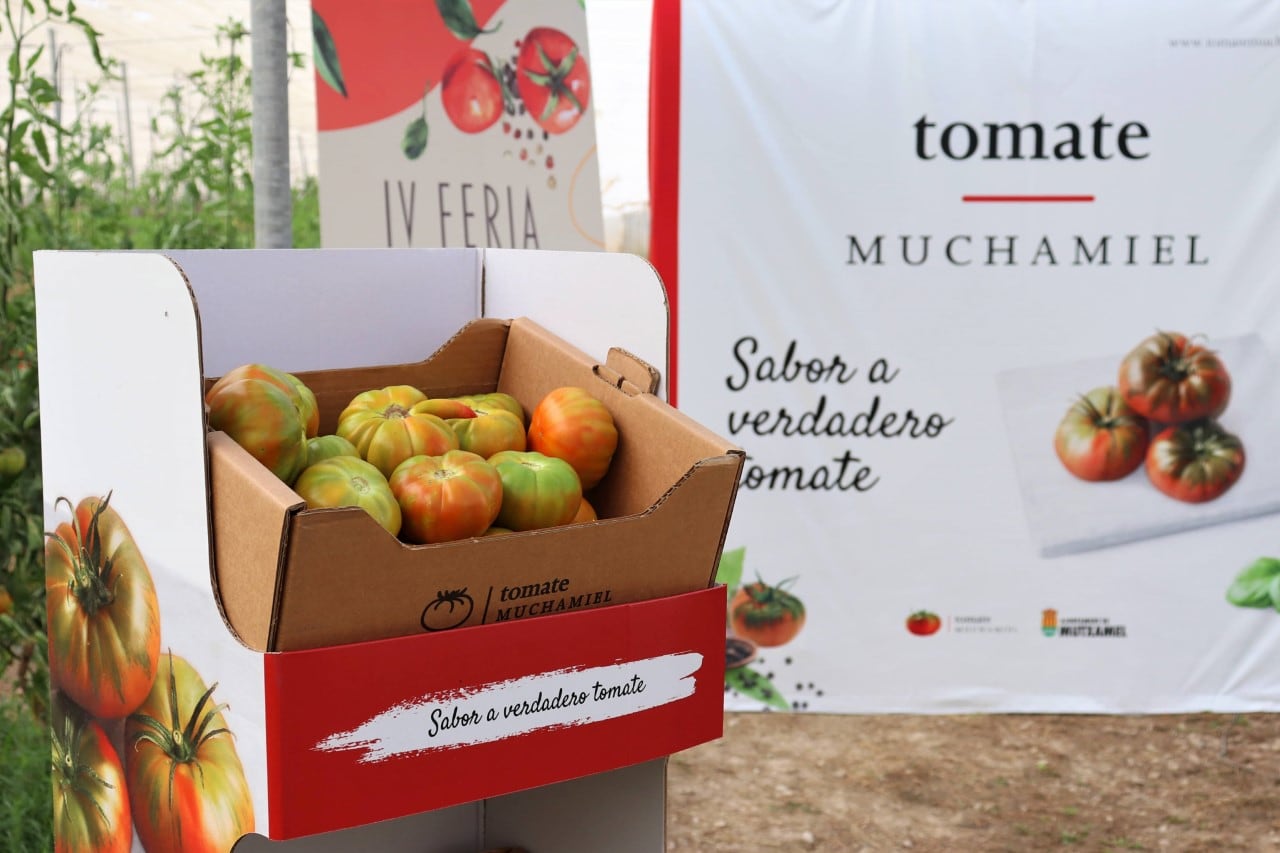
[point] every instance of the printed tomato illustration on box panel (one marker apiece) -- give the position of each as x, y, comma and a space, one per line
175, 777
457, 123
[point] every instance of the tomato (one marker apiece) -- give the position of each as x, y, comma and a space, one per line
572, 425
586, 512
350, 481
537, 491
552, 78
1195, 462
452, 496
187, 787
1100, 437
470, 91
324, 447
446, 408
490, 433
90, 805
766, 615
483, 404
300, 394
1170, 379
922, 623
262, 419
392, 424
13, 461
103, 617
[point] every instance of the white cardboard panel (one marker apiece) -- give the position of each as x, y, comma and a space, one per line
312, 309
593, 300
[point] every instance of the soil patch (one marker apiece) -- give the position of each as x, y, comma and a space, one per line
1200, 782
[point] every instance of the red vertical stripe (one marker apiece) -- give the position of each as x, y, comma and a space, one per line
664, 165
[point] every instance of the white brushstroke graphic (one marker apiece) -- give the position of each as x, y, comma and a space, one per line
566, 697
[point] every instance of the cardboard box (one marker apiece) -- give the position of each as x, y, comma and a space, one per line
308, 625
665, 508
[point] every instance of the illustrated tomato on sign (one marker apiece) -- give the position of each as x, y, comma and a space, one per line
766, 615
471, 91
187, 787
570, 424
537, 491
103, 616
350, 481
442, 498
90, 805
922, 623
1101, 437
1195, 462
1170, 379
552, 78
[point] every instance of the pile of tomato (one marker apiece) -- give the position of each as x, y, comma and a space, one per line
427, 469
176, 778
1163, 413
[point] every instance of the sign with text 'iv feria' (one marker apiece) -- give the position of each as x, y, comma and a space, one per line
990, 294
456, 123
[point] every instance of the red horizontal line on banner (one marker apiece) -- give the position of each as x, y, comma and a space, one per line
1027, 198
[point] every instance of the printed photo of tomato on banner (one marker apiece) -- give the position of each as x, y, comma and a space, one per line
456, 123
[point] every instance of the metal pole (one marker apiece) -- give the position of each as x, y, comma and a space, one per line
272, 203
128, 119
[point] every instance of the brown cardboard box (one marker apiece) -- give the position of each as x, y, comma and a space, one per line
664, 509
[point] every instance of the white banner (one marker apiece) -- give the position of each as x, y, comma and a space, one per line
990, 293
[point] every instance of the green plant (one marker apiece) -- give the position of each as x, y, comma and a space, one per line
26, 813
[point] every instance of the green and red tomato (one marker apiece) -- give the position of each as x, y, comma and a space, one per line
490, 433
264, 420
187, 788
302, 396
455, 495
1195, 462
1101, 437
350, 481
1170, 379
392, 424
537, 490
90, 804
103, 616
569, 424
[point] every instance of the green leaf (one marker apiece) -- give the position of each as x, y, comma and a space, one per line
326, 55
753, 685
415, 138
1274, 590
460, 20
1253, 586
729, 572
42, 145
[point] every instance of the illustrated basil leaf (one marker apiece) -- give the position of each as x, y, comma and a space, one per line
1253, 586
460, 20
1274, 591
729, 572
326, 55
415, 138
753, 685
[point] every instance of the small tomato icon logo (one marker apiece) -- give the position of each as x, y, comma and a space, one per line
922, 623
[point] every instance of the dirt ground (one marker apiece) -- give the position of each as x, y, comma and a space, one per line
799, 782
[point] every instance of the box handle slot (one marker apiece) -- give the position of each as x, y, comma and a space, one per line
628, 373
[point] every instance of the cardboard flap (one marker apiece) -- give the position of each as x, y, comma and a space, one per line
251, 511
467, 363
629, 373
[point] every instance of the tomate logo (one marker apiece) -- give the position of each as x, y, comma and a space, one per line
1049, 622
